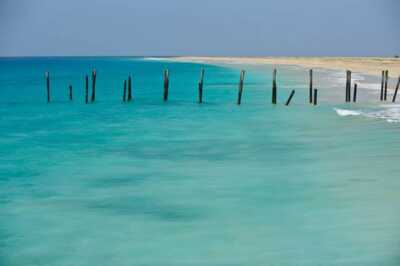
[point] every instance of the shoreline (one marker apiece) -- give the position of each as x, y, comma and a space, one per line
364, 65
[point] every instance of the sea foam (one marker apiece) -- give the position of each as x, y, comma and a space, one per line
390, 113
344, 112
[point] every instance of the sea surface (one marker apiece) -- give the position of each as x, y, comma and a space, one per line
181, 183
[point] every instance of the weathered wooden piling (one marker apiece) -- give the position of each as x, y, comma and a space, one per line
382, 84
310, 98
290, 97
201, 82
355, 93
315, 97
386, 84
94, 85
396, 90
70, 92
166, 84
47, 75
129, 88
86, 89
241, 81
274, 92
124, 92
348, 86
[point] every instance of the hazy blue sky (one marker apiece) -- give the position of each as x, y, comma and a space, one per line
202, 27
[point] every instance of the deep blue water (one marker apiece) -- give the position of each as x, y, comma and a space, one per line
178, 183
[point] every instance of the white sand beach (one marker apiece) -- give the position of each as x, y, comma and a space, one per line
363, 65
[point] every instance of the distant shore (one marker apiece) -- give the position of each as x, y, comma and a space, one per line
365, 65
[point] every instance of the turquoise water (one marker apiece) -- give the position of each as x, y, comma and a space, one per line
178, 183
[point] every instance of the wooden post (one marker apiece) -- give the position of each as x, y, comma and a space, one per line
47, 75
129, 88
382, 84
94, 86
70, 92
124, 92
86, 89
395, 92
348, 86
201, 86
315, 96
355, 93
310, 98
291, 96
347, 83
166, 84
386, 84
239, 100
274, 87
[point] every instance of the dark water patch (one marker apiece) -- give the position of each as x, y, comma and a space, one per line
17, 174
211, 149
118, 180
139, 206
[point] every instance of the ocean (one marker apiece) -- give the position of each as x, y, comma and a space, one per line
180, 183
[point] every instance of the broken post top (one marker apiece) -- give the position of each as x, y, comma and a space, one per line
201, 75
242, 73
166, 76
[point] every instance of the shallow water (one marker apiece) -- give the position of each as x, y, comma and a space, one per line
177, 183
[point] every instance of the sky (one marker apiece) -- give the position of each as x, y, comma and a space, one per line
200, 27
